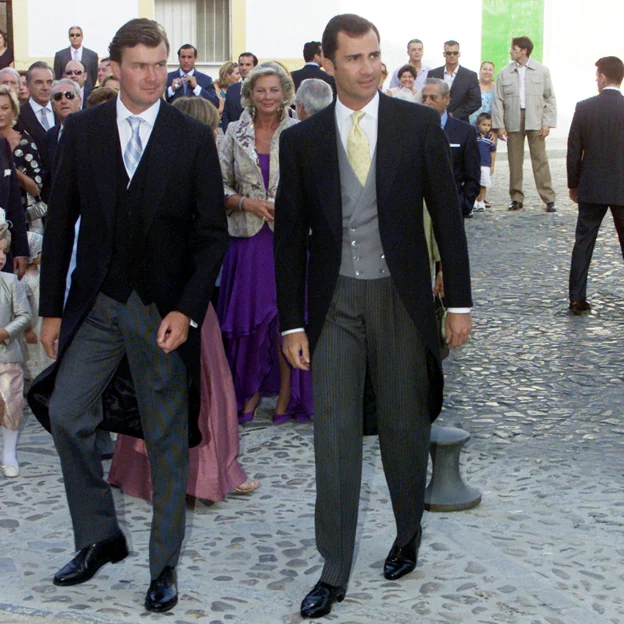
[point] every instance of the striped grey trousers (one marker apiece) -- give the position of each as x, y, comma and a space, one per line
367, 324
110, 330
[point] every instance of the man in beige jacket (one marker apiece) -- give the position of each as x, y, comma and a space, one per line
524, 104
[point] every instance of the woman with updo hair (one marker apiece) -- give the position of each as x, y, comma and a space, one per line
247, 305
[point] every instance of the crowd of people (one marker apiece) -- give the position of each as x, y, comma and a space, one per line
196, 255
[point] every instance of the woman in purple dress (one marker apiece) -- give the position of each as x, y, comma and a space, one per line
247, 306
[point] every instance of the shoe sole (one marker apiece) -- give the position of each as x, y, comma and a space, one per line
161, 608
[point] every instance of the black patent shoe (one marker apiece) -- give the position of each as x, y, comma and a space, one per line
320, 600
162, 594
90, 559
402, 561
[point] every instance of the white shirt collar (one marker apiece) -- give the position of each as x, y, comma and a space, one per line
149, 115
520, 66
183, 73
37, 107
612, 89
343, 113
72, 50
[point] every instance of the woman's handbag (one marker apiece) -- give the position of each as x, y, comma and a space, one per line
36, 209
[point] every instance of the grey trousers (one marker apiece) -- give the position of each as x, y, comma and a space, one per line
367, 322
111, 330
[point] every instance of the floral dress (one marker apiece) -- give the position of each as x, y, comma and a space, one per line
28, 161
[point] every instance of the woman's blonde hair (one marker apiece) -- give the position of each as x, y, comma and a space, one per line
224, 71
6, 90
268, 68
199, 108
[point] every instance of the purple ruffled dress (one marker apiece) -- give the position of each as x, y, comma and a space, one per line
247, 311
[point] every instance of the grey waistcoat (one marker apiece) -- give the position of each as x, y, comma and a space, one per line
362, 254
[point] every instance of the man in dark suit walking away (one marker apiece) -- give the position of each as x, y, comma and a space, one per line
349, 239
187, 81
462, 141
464, 83
595, 164
77, 52
313, 57
145, 181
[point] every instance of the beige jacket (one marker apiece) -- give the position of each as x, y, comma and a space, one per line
541, 105
15, 316
241, 171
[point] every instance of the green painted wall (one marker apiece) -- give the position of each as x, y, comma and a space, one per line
504, 19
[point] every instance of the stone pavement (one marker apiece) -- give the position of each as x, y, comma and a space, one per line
541, 393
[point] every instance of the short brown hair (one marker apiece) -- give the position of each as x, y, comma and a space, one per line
407, 68
524, 43
137, 31
199, 108
612, 68
101, 95
348, 23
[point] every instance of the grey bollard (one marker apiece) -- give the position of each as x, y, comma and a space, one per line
446, 490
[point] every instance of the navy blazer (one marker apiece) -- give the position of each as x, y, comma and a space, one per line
312, 71
203, 80
465, 91
466, 161
51, 141
232, 109
595, 159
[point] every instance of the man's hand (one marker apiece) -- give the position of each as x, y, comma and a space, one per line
4, 334
50, 331
458, 328
438, 287
297, 350
19, 267
191, 81
502, 134
544, 132
173, 331
176, 84
573, 194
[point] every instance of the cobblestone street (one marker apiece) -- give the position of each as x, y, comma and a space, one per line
540, 391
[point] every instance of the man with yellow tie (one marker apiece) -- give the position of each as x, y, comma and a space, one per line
349, 232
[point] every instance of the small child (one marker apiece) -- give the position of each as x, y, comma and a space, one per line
15, 317
487, 151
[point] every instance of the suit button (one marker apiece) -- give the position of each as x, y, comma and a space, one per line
358, 273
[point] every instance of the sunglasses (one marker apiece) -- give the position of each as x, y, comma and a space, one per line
451, 53
57, 97
75, 35
76, 72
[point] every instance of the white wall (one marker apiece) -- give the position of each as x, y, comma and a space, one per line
49, 22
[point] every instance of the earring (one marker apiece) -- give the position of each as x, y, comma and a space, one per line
280, 111
252, 112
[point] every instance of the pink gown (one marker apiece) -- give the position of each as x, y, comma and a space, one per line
213, 467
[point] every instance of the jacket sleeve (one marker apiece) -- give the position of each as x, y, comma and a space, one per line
21, 311
575, 151
550, 103
472, 168
498, 107
472, 101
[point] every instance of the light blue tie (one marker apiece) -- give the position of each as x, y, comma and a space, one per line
134, 149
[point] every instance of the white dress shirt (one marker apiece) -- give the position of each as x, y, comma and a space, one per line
48, 112
522, 69
76, 53
449, 77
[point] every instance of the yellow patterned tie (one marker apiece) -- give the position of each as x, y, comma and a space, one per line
358, 149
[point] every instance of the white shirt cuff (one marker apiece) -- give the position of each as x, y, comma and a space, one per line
170, 92
459, 310
197, 91
292, 331
194, 324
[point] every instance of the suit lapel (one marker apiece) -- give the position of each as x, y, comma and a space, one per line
389, 141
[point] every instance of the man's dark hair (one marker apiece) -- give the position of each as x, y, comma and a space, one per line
188, 46
409, 43
253, 56
310, 50
106, 59
407, 68
351, 25
137, 31
612, 68
524, 43
451, 43
37, 65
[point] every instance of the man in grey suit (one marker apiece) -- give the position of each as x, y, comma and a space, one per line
77, 52
349, 239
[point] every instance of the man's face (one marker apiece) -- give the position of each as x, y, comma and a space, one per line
187, 60
415, 52
245, 65
75, 37
517, 54
62, 105
10, 81
74, 70
24, 91
452, 54
103, 70
601, 81
142, 75
40, 86
356, 68
433, 98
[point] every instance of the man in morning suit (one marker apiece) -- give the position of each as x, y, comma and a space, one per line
464, 83
463, 142
595, 164
353, 180
313, 57
187, 81
145, 181
232, 107
76, 52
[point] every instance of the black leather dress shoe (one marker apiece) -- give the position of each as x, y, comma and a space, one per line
580, 306
90, 559
516, 205
550, 207
402, 561
162, 594
320, 600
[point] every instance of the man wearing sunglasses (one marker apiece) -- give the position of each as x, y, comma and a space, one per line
66, 99
464, 83
74, 70
77, 52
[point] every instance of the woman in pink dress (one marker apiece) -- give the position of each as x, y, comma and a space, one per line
213, 465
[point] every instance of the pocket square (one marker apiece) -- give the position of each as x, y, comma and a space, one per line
455, 145
7, 172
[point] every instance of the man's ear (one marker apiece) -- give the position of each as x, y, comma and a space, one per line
116, 70
328, 66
